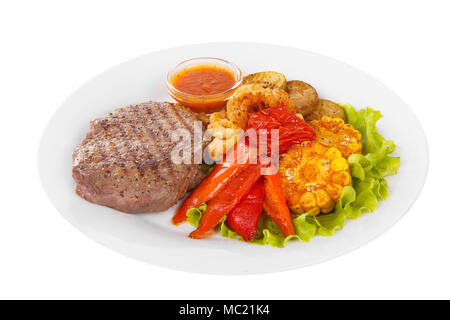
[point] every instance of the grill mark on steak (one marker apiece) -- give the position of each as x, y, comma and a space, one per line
152, 147
164, 126
117, 158
188, 125
153, 157
180, 124
171, 125
132, 120
149, 116
162, 131
152, 160
124, 134
105, 126
154, 174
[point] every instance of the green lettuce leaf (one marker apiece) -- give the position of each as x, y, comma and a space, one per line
195, 214
369, 186
206, 168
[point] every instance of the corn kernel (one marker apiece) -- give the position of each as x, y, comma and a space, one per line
339, 164
333, 153
334, 190
348, 179
323, 199
342, 178
308, 200
354, 147
320, 148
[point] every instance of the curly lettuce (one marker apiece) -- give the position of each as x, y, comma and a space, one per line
369, 186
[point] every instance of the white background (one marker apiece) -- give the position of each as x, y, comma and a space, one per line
49, 48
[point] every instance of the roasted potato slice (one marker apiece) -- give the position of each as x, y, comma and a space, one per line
267, 79
326, 108
304, 96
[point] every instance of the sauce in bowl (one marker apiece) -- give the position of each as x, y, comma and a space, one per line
204, 80
203, 84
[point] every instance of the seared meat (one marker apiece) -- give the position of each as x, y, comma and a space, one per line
124, 162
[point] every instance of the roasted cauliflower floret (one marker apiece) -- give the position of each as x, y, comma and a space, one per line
219, 120
336, 133
203, 117
224, 125
312, 177
267, 79
251, 98
225, 135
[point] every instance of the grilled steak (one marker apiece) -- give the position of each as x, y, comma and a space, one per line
124, 162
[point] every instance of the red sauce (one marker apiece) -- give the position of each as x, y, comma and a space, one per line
203, 80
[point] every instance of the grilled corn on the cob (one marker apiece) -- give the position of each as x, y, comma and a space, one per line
312, 177
336, 133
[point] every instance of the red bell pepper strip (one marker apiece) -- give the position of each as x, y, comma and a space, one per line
275, 204
208, 189
227, 199
292, 129
213, 183
243, 219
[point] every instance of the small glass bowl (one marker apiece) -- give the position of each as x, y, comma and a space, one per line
203, 103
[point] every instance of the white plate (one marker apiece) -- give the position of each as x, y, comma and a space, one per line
151, 237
